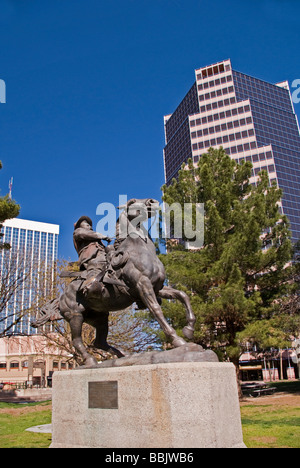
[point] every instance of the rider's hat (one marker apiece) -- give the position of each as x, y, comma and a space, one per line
83, 218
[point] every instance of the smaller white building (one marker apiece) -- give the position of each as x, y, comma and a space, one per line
26, 270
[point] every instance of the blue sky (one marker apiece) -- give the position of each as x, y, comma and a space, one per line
89, 81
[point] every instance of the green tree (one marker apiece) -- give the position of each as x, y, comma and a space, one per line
8, 209
237, 278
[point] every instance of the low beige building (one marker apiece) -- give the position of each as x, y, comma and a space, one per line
30, 361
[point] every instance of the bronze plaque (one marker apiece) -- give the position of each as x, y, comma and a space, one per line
103, 395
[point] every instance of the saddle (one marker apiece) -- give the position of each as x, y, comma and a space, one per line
106, 276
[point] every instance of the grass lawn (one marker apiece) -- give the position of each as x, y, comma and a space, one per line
15, 418
273, 421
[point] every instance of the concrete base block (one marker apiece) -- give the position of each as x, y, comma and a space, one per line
175, 405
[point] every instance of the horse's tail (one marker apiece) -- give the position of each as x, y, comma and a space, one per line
49, 313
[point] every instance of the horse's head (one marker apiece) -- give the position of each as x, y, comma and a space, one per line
143, 208
135, 213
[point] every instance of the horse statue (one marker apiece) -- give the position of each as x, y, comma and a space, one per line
138, 277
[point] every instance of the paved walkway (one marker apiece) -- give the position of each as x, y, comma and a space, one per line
44, 429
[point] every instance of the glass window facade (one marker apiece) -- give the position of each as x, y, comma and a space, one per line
275, 123
252, 119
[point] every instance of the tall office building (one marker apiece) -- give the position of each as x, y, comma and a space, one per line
26, 270
253, 120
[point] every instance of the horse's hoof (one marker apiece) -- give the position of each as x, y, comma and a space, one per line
90, 362
188, 332
178, 342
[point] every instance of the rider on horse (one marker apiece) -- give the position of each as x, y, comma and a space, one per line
91, 252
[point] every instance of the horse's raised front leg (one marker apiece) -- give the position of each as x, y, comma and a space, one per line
148, 297
170, 293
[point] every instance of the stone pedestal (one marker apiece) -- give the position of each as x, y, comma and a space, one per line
173, 405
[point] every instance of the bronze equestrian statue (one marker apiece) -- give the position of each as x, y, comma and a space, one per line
132, 273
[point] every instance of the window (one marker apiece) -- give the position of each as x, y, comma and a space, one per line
2, 365
14, 365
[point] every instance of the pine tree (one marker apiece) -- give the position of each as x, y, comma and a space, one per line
238, 276
8, 209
